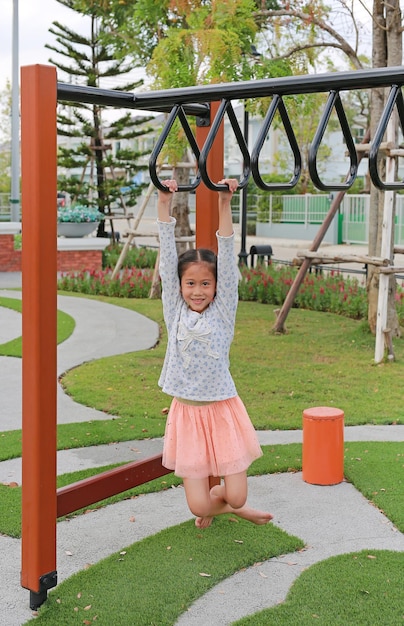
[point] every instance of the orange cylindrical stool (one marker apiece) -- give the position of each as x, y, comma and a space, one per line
323, 445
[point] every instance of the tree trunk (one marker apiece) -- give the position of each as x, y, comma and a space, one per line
386, 51
181, 208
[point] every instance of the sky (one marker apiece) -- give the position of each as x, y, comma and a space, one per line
35, 19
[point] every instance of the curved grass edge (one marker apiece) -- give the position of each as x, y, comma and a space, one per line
13, 348
356, 588
160, 576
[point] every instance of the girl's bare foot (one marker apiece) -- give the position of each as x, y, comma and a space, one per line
254, 516
203, 522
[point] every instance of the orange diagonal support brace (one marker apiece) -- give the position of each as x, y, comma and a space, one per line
39, 373
207, 220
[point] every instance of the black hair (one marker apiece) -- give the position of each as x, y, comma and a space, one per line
200, 255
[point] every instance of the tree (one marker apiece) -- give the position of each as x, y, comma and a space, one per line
387, 51
185, 43
5, 139
88, 60
313, 30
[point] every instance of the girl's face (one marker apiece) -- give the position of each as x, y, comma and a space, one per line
198, 286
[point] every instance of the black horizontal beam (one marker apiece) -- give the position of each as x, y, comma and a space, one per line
121, 100
286, 85
194, 98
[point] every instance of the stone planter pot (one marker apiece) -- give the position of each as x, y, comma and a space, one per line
76, 229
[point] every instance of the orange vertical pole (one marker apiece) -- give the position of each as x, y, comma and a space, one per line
207, 220
39, 373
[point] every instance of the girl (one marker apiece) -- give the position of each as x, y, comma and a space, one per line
208, 431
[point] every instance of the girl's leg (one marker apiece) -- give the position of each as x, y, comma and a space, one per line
205, 503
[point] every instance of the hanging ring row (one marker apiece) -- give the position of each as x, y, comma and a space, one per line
251, 163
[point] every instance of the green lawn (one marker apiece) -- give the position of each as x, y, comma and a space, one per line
322, 360
65, 327
160, 576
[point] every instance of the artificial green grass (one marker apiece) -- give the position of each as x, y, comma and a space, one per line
276, 459
81, 435
377, 471
65, 327
158, 578
155, 580
374, 468
323, 359
363, 588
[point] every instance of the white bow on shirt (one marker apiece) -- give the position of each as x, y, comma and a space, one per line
187, 335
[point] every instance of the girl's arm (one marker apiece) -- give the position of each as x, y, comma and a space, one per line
225, 216
164, 200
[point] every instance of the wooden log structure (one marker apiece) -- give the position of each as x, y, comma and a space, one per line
317, 259
391, 270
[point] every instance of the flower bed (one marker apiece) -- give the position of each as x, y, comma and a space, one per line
331, 292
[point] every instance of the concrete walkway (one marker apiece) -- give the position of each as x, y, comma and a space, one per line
330, 520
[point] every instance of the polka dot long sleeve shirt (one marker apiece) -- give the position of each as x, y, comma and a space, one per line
196, 365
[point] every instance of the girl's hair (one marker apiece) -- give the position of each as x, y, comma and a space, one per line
200, 255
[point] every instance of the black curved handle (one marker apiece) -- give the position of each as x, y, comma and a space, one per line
176, 112
395, 96
225, 106
277, 104
333, 100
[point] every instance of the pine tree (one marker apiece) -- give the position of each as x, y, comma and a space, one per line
95, 176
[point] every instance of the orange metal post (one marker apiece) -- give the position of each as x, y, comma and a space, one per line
39, 373
207, 220
323, 445
206, 200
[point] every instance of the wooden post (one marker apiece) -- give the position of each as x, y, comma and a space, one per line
387, 247
207, 220
305, 266
39, 373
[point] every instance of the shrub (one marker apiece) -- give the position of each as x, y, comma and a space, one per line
135, 257
330, 292
131, 283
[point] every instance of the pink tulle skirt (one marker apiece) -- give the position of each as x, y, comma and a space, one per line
215, 439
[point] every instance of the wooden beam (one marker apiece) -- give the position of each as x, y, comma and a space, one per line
90, 490
336, 258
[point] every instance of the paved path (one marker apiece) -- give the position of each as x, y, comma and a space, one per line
330, 520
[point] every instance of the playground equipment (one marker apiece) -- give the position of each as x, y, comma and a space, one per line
41, 502
323, 445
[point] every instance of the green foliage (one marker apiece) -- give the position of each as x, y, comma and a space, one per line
185, 43
5, 138
5, 113
140, 258
131, 283
90, 59
5, 179
77, 213
331, 293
